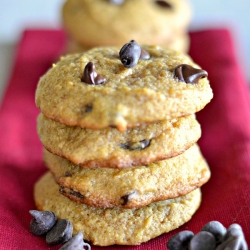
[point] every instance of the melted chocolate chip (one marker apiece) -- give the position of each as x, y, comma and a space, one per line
90, 75
125, 198
188, 74
136, 145
88, 108
130, 54
144, 54
164, 4
76, 194
60, 233
67, 174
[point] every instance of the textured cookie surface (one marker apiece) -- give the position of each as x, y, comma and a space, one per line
116, 226
113, 149
132, 187
146, 93
91, 23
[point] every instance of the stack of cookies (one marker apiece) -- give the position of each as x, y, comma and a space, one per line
110, 22
120, 139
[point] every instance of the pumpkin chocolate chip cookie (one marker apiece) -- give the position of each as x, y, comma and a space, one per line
111, 226
112, 149
130, 187
96, 90
91, 23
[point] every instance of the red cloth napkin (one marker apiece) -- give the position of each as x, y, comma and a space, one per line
225, 141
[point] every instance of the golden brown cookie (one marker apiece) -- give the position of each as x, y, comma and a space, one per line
132, 187
112, 149
105, 227
95, 90
108, 23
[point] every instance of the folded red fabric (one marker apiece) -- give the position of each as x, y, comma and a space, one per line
225, 141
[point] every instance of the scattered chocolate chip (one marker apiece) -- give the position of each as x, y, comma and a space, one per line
60, 233
136, 145
217, 229
90, 75
76, 243
42, 222
188, 74
88, 108
127, 197
144, 54
130, 54
202, 241
180, 241
117, 2
164, 4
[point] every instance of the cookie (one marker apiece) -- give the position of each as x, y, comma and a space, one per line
180, 43
95, 90
112, 149
132, 187
108, 23
105, 227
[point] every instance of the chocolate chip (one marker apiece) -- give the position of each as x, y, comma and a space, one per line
76, 243
164, 4
117, 2
217, 229
127, 197
60, 233
202, 241
136, 145
76, 194
88, 108
90, 75
188, 74
42, 222
67, 174
144, 54
64, 190
180, 241
233, 243
130, 54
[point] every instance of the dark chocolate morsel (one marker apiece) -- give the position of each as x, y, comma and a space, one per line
136, 145
202, 241
65, 190
125, 198
188, 74
117, 2
144, 54
42, 222
217, 229
88, 108
130, 54
180, 241
67, 174
76, 243
60, 233
164, 4
90, 75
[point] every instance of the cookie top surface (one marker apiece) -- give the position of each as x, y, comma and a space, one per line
105, 227
104, 23
112, 149
132, 187
146, 93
